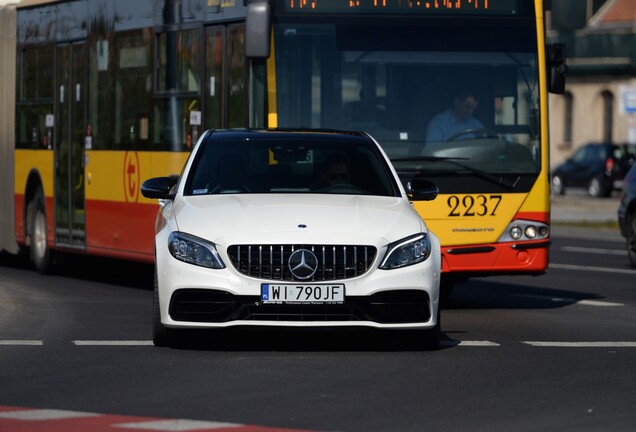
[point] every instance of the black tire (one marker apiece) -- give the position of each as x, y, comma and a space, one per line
161, 336
422, 340
558, 187
432, 337
631, 238
41, 254
597, 188
446, 286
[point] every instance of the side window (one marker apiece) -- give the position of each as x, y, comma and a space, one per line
178, 88
102, 97
593, 154
608, 116
35, 98
214, 54
132, 89
225, 77
568, 117
236, 76
581, 155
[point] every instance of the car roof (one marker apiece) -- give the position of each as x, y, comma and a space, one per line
289, 134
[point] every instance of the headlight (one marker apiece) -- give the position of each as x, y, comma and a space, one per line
194, 250
520, 230
405, 252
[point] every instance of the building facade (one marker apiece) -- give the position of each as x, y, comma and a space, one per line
599, 103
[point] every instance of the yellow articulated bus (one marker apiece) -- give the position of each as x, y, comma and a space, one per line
110, 93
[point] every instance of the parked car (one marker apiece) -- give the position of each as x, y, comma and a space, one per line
600, 168
293, 229
627, 213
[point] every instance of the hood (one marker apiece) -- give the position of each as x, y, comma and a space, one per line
302, 218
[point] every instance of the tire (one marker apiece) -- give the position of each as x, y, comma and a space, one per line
558, 188
597, 189
161, 335
41, 255
433, 336
446, 289
631, 238
423, 340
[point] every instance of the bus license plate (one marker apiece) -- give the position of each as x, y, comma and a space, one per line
303, 294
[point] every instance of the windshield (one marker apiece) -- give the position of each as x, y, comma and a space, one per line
429, 92
290, 163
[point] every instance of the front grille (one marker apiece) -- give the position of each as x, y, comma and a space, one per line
271, 261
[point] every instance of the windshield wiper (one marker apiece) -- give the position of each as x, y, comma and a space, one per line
498, 180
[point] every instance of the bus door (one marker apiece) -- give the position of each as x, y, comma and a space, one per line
70, 107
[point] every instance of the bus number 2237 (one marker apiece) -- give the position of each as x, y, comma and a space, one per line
473, 205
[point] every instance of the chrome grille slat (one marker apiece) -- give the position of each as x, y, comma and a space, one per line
270, 262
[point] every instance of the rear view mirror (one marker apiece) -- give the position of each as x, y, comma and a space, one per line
423, 190
257, 29
159, 187
557, 68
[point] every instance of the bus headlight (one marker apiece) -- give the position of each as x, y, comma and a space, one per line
405, 252
520, 230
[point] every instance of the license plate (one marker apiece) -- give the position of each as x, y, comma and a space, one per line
303, 294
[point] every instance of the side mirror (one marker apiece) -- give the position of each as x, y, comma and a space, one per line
557, 68
159, 187
423, 190
257, 29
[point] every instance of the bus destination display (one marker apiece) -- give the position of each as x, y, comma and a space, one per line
419, 7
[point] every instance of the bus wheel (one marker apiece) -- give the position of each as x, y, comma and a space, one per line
160, 334
40, 252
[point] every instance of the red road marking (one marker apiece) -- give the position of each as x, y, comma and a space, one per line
20, 419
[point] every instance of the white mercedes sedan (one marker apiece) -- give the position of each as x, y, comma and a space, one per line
293, 228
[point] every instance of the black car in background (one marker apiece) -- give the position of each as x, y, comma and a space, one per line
597, 167
627, 213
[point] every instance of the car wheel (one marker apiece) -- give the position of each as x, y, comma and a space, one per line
631, 238
40, 252
433, 336
558, 188
446, 289
597, 189
160, 334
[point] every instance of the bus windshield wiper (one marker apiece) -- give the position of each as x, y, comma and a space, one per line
498, 180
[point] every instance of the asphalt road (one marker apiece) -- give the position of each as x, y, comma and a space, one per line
555, 352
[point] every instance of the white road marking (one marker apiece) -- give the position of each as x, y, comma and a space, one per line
570, 300
599, 303
578, 249
624, 344
112, 343
22, 342
36, 414
178, 425
44, 414
591, 268
452, 342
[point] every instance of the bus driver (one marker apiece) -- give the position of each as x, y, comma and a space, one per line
456, 119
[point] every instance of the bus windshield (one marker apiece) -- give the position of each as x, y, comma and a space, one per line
437, 91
